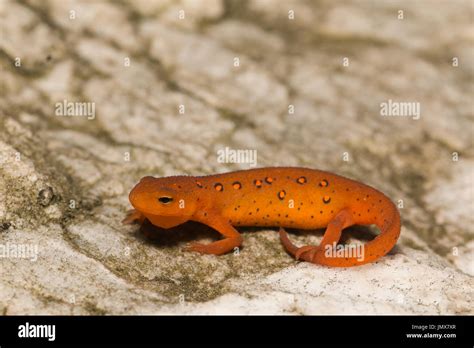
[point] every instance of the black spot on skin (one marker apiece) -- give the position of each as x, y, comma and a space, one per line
281, 195
324, 183
301, 180
236, 185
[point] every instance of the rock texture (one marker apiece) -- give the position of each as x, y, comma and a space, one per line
173, 82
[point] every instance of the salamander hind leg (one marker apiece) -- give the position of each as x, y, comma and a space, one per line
331, 237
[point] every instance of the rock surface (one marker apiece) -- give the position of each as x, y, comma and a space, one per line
169, 83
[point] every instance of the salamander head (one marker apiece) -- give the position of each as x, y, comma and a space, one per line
166, 202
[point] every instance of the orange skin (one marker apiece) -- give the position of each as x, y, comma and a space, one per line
282, 196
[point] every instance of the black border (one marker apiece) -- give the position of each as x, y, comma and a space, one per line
219, 330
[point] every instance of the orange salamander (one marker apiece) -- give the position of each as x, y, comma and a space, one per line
289, 197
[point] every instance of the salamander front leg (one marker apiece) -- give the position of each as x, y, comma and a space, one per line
232, 238
133, 216
331, 237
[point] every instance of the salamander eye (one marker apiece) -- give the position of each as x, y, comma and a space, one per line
165, 200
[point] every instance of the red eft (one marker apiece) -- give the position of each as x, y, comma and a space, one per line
289, 197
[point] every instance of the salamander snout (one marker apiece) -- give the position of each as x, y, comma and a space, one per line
162, 200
